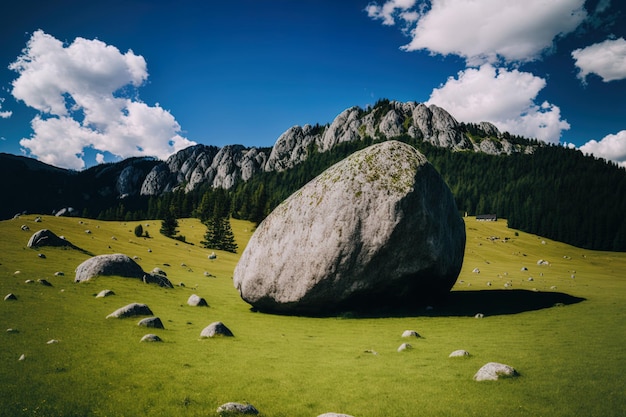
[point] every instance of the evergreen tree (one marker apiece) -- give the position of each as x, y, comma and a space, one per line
139, 230
219, 234
169, 225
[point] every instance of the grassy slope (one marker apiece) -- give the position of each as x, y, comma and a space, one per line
571, 358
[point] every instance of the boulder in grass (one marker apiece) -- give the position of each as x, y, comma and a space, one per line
130, 310
334, 415
237, 408
410, 333
197, 301
153, 322
105, 293
45, 237
115, 264
216, 329
378, 230
459, 354
493, 371
151, 338
405, 346
10, 297
158, 279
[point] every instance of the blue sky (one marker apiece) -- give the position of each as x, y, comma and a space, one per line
86, 82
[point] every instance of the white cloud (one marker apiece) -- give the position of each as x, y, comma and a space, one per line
503, 97
606, 59
485, 30
387, 11
4, 114
611, 147
77, 89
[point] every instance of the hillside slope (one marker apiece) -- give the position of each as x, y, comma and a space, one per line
563, 332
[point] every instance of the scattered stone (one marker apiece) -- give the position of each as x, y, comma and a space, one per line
105, 293
44, 282
153, 322
88, 231
59, 274
405, 346
212, 255
542, 262
159, 271
216, 329
378, 229
479, 316
476, 271
410, 333
237, 408
22, 357
45, 237
52, 342
10, 297
12, 331
524, 269
25, 228
38, 219
160, 280
334, 415
17, 272
151, 338
41, 255
197, 301
489, 283
133, 309
29, 281
181, 284
372, 351
459, 354
493, 371
530, 279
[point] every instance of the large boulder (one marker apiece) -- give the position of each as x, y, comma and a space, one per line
377, 229
115, 264
45, 237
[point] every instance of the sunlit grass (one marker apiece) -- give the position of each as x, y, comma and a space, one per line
571, 357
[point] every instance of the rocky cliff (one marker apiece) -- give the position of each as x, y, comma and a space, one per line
217, 167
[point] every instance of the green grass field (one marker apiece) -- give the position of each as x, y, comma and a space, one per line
564, 332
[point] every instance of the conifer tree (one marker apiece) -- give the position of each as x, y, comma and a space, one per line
169, 225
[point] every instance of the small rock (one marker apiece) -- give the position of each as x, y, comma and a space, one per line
151, 338
212, 255
44, 282
479, 316
104, 293
476, 271
410, 333
41, 255
52, 342
197, 301
10, 297
459, 354
29, 281
22, 357
134, 309
59, 274
237, 408
334, 415
12, 331
159, 271
216, 329
153, 322
493, 371
404, 346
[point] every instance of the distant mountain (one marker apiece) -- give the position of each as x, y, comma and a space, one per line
38, 187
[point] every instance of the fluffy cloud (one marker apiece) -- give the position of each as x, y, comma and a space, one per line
503, 97
606, 59
486, 30
611, 147
81, 93
4, 114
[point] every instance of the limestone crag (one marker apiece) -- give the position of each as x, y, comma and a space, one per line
379, 228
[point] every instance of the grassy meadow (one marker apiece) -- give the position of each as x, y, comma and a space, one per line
564, 331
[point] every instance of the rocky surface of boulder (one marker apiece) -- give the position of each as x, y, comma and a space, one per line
493, 371
45, 237
377, 229
113, 264
130, 310
216, 329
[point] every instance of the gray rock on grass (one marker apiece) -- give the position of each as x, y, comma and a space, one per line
130, 310
196, 301
151, 338
105, 293
45, 237
378, 229
153, 322
493, 371
237, 408
117, 265
459, 354
410, 333
216, 329
10, 297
